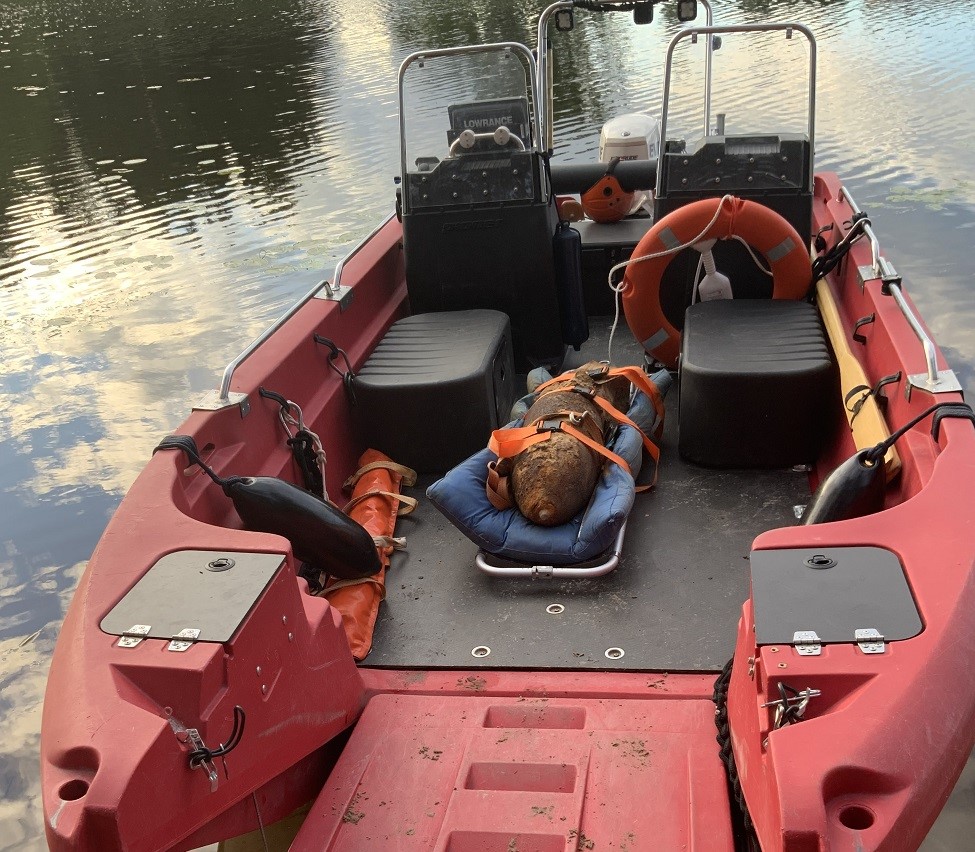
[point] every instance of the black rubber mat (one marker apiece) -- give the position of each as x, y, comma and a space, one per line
671, 605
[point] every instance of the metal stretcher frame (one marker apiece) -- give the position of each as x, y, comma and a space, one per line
610, 560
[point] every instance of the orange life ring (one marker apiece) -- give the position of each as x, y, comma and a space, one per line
762, 228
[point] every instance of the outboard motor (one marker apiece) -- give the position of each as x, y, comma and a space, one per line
633, 136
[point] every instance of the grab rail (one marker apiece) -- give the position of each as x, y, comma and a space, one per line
359, 246
544, 84
224, 398
787, 28
932, 380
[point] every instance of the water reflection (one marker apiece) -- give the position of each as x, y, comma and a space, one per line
172, 175
24, 661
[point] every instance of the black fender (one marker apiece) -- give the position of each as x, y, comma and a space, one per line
854, 488
320, 533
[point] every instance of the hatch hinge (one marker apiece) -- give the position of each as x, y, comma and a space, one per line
133, 636
184, 639
807, 643
869, 641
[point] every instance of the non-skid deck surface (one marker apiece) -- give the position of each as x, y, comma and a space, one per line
671, 605
434, 773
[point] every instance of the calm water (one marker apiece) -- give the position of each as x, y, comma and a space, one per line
173, 176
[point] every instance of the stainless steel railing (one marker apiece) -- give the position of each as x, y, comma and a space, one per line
224, 397
709, 31
544, 87
932, 380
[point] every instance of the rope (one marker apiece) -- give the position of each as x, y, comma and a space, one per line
618, 288
876, 453
260, 822
720, 699
203, 754
825, 263
188, 446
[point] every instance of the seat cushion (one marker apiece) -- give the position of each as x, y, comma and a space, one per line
757, 383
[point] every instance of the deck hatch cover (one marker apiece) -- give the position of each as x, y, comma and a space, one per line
181, 592
833, 591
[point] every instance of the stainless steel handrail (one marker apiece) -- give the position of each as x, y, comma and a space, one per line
545, 88
359, 246
419, 55
788, 29
883, 270
927, 344
228, 373
880, 265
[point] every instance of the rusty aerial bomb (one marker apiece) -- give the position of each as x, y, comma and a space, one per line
552, 481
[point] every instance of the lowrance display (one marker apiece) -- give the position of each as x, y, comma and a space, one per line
487, 116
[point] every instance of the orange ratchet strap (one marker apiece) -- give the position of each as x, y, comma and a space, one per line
638, 378
506, 443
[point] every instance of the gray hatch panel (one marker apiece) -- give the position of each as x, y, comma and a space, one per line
182, 590
799, 589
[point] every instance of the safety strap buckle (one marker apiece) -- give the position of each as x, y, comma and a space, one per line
553, 425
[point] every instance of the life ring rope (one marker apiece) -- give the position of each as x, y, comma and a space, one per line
674, 249
785, 252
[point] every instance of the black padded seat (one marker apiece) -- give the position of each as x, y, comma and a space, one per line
435, 387
757, 383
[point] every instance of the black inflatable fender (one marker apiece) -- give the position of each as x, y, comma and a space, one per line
320, 533
854, 488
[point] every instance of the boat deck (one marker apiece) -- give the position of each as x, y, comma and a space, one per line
672, 604
476, 772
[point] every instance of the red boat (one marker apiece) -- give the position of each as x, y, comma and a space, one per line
217, 670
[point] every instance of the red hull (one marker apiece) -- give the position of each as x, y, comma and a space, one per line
869, 767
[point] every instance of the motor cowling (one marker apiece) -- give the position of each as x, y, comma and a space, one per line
633, 136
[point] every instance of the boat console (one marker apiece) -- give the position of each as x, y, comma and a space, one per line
477, 211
